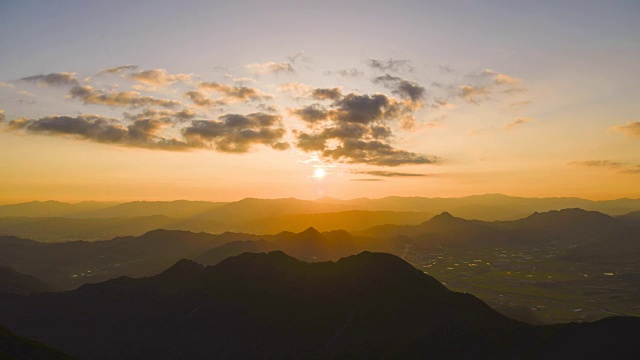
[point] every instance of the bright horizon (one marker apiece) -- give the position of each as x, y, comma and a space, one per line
161, 101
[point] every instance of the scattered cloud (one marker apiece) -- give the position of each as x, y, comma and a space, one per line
632, 128
117, 70
518, 122
392, 65
5, 84
621, 167
142, 133
158, 77
351, 72
366, 180
201, 99
403, 88
2, 116
598, 164
235, 133
353, 129
234, 93
296, 89
474, 94
166, 116
390, 174
53, 79
270, 67
130, 99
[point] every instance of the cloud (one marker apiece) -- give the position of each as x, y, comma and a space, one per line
117, 70
296, 89
351, 72
158, 77
598, 164
142, 133
53, 79
517, 123
270, 67
353, 129
237, 133
366, 180
166, 116
473, 94
2, 116
632, 170
393, 65
390, 174
200, 99
326, 94
130, 99
235, 93
632, 128
8, 85
403, 88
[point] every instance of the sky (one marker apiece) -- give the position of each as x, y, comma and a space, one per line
219, 100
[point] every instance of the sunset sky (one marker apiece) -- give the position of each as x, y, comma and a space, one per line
164, 100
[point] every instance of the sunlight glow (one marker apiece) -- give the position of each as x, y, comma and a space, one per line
319, 173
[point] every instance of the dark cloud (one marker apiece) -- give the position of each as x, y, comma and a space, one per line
353, 129
401, 87
312, 113
2, 116
632, 170
632, 128
53, 79
267, 108
326, 94
130, 99
374, 152
142, 133
389, 174
393, 65
237, 133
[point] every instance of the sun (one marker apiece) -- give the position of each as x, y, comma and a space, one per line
319, 173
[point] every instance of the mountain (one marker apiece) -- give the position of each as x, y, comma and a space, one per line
351, 220
71, 264
631, 219
50, 208
18, 348
443, 224
180, 209
252, 208
57, 229
370, 305
13, 282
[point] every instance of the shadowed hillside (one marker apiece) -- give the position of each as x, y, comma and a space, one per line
273, 306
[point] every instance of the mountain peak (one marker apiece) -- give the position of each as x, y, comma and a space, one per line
183, 267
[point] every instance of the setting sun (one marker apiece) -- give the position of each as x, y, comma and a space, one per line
319, 173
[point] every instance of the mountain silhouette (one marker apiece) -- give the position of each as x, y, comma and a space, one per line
270, 305
18, 348
13, 282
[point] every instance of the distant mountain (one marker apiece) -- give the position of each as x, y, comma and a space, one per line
71, 264
180, 209
351, 220
443, 224
57, 229
13, 282
50, 208
273, 306
631, 219
18, 348
251, 208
